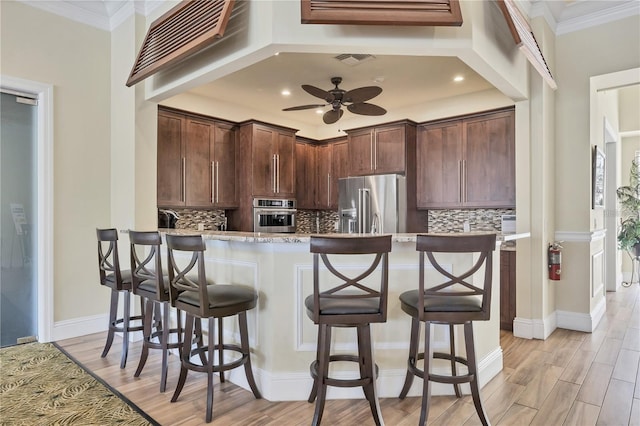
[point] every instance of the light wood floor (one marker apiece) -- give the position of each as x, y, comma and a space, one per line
572, 378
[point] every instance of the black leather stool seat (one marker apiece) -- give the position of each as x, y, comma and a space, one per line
111, 281
410, 300
236, 297
343, 307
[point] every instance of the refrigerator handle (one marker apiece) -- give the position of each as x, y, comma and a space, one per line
363, 201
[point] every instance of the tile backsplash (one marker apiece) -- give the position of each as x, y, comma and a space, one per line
324, 221
191, 218
453, 220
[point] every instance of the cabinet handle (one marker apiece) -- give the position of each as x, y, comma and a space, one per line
464, 173
278, 173
213, 182
184, 179
461, 181
217, 182
371, 150
375, 153
273, 173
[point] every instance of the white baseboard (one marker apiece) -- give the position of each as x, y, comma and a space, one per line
527, 328
580, 321
77, 327
296, 386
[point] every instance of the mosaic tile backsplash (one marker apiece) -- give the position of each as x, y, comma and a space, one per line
453, 220
190, 219
324, 221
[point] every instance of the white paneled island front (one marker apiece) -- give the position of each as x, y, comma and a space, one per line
283, 338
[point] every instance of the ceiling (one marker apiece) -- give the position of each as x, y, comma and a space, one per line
405, 80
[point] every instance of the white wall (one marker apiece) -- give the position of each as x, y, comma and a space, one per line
618, 48
75, 59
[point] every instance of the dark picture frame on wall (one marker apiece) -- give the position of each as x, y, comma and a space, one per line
597, 197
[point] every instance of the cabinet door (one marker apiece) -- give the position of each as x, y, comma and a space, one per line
439, 154
339, 169
263, 161
197, 153
489, 167
361, 153
170, 160
389, 150
224, 166
305, 175
286, 165
323, 168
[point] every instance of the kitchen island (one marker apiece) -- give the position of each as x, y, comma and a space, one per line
283, 338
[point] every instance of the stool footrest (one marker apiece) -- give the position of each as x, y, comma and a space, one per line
343, 383
220, 367
460, 378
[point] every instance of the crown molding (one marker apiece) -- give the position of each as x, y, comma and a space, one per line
70, 11
625, 10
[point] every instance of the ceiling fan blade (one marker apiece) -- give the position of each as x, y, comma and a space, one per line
364, 108
332, 116
361, 94
301, 107
318, 93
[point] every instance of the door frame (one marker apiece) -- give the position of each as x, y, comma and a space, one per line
44, 214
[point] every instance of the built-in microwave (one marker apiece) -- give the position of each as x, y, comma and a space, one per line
274, 215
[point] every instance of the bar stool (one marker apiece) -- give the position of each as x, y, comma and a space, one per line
119, 281
453, 298
200, 300
149, 283
349, 304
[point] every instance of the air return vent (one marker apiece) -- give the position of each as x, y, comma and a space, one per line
353, 59
381, 12
183, 31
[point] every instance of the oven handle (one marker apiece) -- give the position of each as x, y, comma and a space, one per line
275, 211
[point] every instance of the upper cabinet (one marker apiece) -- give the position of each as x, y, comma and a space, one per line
379, 150
331, 165
272, 159
467, 162
196, 161
318, 168
305, 175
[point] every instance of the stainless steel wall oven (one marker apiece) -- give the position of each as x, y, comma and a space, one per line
274, 215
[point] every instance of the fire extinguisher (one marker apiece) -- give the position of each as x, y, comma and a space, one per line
555, 261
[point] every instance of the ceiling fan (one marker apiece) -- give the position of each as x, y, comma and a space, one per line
354, 100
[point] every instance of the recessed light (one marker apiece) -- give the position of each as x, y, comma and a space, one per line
285, 92
319, 111
458, 78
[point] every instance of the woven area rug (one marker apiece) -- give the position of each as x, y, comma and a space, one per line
42, 385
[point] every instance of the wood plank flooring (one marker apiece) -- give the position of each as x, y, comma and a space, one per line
572, 378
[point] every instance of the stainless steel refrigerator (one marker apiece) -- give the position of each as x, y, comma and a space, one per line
372, 204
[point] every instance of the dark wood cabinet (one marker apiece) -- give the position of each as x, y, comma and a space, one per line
331, 165
196, 161
305, 175
170, 181
339, 168
439, 153
265, 167
272, 160
467, 162
507, 289
378, 150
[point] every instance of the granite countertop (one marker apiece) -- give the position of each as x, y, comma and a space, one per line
262, 237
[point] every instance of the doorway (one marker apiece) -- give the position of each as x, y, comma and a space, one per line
18, 208
26, 211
